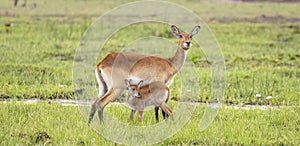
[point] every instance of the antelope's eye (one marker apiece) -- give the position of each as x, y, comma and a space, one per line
180, 35
133, 89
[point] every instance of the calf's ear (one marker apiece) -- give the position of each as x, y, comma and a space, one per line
127, 83
140, 84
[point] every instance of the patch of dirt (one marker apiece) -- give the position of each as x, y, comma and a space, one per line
42, 136
20, 135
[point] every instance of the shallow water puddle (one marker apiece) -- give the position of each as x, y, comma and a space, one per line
72, 102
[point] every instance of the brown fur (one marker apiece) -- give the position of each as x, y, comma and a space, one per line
117, 66
155, 93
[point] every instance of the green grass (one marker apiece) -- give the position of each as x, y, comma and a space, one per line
260, 58
23, 122
260, 43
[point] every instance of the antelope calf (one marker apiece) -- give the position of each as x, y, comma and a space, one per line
139, 97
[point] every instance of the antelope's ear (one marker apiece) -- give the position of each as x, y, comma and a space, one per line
140, 84
195, 31
127, 83
176, 31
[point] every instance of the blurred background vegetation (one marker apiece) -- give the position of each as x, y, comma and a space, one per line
259, 41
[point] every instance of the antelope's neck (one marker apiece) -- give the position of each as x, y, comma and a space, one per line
178, 59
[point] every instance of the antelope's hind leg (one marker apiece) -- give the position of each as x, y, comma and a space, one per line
102, 91
156, 114
92, 113
95, 106
166, 109
100, 104
163, 112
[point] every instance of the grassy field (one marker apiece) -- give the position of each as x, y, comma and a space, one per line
259, 42
54, 124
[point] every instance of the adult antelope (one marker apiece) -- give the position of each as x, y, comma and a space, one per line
118, 66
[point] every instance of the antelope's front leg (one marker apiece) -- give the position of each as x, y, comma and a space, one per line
132, 114
140, 116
